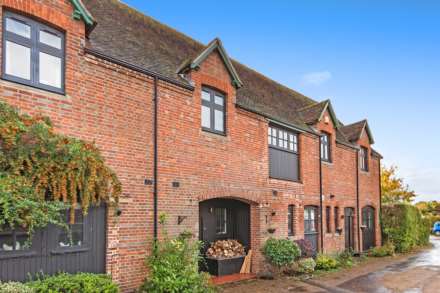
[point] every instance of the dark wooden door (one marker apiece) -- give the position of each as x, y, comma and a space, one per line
224, 219
51, 251
311, 226
368, 228
349, 228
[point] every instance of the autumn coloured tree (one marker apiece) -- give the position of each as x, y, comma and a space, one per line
394, 190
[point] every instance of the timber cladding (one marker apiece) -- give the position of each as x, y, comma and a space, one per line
111, 103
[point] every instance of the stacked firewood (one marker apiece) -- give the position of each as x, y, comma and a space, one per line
225, 249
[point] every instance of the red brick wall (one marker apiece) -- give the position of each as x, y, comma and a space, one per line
112, 106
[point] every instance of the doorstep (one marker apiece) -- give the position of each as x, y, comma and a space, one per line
221, 280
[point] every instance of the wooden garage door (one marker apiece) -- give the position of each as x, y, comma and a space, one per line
52, 252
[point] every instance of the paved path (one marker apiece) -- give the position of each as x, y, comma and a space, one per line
418, 274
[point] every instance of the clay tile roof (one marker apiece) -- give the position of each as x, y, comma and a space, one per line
354, 131
128, 35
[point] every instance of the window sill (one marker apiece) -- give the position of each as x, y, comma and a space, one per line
61, 92
16, 254
328, 163
213, 131
28, 87
287, 180
69, 250
365, 172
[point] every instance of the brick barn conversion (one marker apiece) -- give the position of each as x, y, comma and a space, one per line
223, 150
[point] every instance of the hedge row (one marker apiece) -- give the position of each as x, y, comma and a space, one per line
404, 227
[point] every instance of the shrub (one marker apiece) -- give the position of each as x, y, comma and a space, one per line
67, 283
326, 262
306, 266
404, 227
281, 252
14, 287
306, 248
386, 250
173, 267
345, 258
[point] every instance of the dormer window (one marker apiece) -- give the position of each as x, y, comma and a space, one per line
33, 53
363, 159
325, 147
213, 111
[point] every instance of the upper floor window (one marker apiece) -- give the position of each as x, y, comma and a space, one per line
33, 53
325, 147
213, 111
283, 153
363, 158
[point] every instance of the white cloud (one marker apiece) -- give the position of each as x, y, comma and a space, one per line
316, 78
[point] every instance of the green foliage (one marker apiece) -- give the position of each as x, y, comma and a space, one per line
281, 252
345, 258
306, 265
78, 283
326, 262
173, 267
48, 167
14, 287
21, 208
404, 227
387, 249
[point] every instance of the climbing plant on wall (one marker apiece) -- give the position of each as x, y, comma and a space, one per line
49, 170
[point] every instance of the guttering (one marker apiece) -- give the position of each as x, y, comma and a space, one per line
320, 195
380, 201
357, 202
155, 156
137, 68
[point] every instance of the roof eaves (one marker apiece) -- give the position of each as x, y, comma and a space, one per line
280, 122
213, 45
81, 12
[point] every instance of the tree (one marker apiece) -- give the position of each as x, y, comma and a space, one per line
394, 190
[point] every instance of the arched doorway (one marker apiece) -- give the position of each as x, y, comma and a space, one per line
368, 228
224, 218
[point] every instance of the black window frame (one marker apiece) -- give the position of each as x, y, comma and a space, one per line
363, 158
212, 107
325, 141
221, 227
284, 140
328, 219
336, 218
79, 221
13, 233
291, 213
35, 47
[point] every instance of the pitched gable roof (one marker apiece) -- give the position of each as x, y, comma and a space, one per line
314, 113
353, 132
215, 44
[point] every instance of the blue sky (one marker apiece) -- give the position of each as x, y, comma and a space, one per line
374, 59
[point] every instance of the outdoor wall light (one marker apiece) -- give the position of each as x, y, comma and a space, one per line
180, 219
118, 212
275, 192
